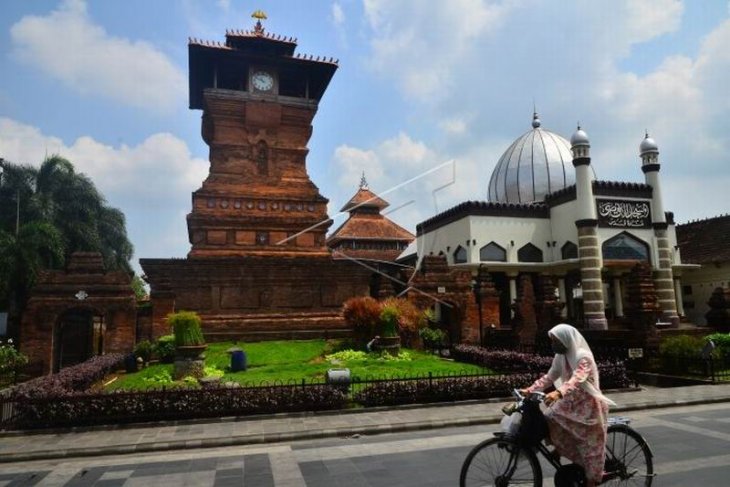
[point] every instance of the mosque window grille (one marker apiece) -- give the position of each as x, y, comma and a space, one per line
493, 252
625, 246
569, 251
460, 255
529, 253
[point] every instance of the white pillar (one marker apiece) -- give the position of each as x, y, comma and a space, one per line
563, 297
617, 297
678, 296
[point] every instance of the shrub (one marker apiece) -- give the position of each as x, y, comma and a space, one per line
722, 342
11, 360
612, 373
433, 338
165, 349
410, 319
186, 328
117, 407
71, 379
389, 320
363, 315
144, 350
682, 346
440, 390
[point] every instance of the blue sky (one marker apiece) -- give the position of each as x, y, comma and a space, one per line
104, 83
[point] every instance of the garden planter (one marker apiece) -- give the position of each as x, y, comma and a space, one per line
390, 345
189, 362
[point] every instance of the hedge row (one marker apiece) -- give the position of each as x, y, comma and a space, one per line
70, 379
86, 408
504, 361
613, 373
442, 390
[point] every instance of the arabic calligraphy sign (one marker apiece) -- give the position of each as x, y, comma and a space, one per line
623, 214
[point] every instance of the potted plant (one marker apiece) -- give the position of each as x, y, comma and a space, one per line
189, 344
389, 340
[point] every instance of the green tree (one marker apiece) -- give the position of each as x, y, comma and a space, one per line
46, 214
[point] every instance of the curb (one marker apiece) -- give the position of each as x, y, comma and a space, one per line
258, 438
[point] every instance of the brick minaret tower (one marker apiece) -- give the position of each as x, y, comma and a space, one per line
258, 99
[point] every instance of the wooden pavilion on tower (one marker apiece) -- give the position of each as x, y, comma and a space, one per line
367, 233
258, 266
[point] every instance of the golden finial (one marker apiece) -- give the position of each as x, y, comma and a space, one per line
258, 28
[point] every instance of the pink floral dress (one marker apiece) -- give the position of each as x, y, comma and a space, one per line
577, 422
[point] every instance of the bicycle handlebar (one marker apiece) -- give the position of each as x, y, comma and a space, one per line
535, 396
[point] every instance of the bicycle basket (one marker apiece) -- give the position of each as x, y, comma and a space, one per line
533, 427
511, 424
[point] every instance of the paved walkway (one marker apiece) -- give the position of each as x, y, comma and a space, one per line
19, 446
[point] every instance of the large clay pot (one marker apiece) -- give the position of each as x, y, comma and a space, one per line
190, 352
390, 345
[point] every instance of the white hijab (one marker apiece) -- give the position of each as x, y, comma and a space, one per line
577, 349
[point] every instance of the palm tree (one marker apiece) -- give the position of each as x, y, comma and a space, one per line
46, 214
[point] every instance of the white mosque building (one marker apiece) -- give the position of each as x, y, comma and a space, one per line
547, 214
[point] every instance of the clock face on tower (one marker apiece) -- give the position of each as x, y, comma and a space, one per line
262, 81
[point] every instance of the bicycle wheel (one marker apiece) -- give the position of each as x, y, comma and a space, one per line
628, 458
500, 462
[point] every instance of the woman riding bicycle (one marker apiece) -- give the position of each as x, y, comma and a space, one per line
577, 410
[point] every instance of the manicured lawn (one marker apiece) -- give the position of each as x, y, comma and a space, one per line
292, 361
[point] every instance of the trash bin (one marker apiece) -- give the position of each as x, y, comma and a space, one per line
130, 363
238, 360
339, 378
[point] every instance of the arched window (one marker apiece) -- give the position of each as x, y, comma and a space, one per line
529, 253
492, 252
625, 246
460, 255
569, 251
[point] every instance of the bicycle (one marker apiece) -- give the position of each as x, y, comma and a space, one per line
512, 458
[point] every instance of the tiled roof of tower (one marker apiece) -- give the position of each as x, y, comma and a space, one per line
365, 198
705, 241
289, 47
374, 226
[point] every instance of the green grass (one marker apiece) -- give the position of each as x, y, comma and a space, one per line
292, 361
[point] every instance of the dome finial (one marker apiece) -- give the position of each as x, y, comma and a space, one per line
363, 181
535, 119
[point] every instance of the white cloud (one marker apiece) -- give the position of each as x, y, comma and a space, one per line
406, 172
420, 44
224, 4
338, 15
67, 45
150, 182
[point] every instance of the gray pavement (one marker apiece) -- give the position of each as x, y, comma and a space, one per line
25, 446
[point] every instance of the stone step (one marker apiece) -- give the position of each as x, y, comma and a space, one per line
282, 334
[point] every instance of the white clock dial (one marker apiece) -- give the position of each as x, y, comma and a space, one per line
262, 81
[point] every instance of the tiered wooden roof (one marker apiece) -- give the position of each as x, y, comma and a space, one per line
366, 230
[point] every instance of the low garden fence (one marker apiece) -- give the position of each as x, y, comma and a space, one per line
64, 399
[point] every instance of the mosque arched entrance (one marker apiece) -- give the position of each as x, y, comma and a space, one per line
78, 336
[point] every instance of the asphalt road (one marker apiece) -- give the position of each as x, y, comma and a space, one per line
691, 447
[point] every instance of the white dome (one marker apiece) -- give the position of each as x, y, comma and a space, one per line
536, 164
579, 137
648, 145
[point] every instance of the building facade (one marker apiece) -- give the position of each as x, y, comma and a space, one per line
549, 218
